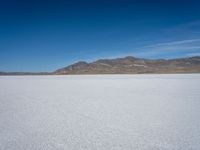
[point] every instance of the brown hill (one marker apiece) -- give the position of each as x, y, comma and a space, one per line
132, 65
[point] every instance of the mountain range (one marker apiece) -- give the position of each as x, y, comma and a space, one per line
133, 65
126, 65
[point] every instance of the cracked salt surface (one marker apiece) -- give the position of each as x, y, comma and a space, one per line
100, 112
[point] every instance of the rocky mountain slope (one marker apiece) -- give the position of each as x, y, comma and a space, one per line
132, 65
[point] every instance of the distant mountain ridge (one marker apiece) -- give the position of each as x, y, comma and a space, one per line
133, 65
24, 73
126, 65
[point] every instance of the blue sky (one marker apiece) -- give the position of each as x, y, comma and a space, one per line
46, 35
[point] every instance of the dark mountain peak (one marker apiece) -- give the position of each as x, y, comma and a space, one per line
115, 60
80, 63
195, 58
130, 58
101, 60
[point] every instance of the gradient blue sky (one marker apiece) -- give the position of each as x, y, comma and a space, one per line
38, 35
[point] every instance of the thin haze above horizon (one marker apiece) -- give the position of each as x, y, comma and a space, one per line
41, 35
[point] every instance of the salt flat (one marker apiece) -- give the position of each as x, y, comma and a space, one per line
100, 112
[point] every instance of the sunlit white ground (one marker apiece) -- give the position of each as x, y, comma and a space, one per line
100, 112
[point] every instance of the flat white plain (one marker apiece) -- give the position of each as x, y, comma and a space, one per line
100, 112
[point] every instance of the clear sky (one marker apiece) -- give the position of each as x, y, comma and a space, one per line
44, 35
